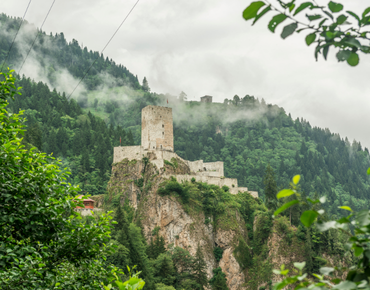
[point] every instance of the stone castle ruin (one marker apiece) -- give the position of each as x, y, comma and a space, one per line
157, 141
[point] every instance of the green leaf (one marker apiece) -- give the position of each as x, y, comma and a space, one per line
326, 51
302, 7
251, 11
313, 17
310, 38
353, 42
353, 59
285, 272
345, 285
363, 218
289, 30
275, 21
358, 251
343, 55
264, 11
329, 14
344, 220
296, 179
335, 7
341, 19
322, 22
284, 193
285, 206
300, 266
354, 15
326, 270
368, 171
308, 217
366, 11
291, 7
345, 207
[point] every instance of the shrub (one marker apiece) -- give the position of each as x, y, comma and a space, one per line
217, 251
174, 186
225, 188
243, 255
169, 163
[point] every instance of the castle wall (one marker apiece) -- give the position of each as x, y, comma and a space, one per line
217, 168
157, 128
129, 152
208, 179
195, 166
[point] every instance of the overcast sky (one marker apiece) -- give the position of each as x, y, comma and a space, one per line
205, 47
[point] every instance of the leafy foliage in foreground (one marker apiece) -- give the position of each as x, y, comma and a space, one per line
357, 228
326, 27
43, 242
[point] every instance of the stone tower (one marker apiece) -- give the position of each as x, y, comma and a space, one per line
156, 128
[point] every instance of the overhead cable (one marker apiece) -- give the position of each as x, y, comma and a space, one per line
128, 14
16, 35
37, 35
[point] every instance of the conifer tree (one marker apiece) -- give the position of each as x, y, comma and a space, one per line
218, 281
164, 269
199, 269
270, 187
146, 85
138, 256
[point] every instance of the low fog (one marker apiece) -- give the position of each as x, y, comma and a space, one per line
207, 48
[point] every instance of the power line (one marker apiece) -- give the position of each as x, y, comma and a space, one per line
128, 14
16, 35
37, 35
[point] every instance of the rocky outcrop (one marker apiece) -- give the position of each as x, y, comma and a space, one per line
138, 181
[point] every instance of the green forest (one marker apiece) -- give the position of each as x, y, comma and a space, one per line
244, 132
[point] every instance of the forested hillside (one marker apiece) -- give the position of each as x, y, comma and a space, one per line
245, 133
53, 53
59, 127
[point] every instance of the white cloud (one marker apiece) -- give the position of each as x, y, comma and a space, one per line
205, 47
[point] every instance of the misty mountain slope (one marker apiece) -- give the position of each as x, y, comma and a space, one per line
244, 133
58, 63
248, 135
59, 127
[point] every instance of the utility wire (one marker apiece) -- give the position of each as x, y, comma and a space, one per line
37, 35
128, 14
16, 35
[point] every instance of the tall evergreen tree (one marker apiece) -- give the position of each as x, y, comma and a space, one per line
146, 85
199, 269
218, 281
270, 188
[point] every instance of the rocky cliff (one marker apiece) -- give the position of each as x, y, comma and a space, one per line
252, 243
181, 225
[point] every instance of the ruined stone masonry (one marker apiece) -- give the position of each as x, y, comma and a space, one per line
157, 142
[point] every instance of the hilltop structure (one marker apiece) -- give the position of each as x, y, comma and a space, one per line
157, 143
206, 99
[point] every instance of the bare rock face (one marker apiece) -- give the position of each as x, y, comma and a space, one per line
235, 277
178, 227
